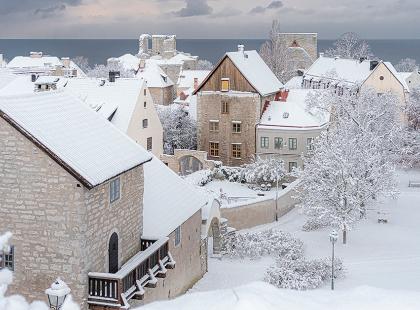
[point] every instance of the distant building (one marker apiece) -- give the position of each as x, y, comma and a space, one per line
287, 130
39, 64
302, 49
411, 78
230, 102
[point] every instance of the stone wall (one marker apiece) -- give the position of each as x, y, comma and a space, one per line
163, 96
243, 107
59, 227
173, 161
307, 41
189, 266
259, 212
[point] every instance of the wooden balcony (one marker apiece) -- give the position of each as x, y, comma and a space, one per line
141, 271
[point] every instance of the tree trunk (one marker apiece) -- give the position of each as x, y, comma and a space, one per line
344, 236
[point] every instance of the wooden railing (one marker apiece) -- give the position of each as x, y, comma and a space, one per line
115, 290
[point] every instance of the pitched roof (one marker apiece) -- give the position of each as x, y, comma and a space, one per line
168, 200
186, 77
154, 75
31, 62
400, 79
83, 142
255, 71
118, 98
6, 77
292, 114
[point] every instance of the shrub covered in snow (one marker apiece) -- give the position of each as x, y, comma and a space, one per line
314, 223
232, 174
257, 244
263, 170
301, 274
201, 177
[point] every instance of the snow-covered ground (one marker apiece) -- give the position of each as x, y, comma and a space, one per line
378, 255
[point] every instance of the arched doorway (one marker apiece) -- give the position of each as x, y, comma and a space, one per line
189, 164
113, 253
214, 240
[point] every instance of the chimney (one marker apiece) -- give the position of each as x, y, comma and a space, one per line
321, 54
284, 94
33, 77
66, 62
373, 64
113, 75
142, 64
241, 48
35, 54
195, 83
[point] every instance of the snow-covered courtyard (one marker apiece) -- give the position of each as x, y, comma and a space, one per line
378, 255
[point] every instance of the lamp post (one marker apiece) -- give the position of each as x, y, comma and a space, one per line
333, 240
57, 294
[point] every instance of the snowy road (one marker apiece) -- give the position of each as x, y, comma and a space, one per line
379, 255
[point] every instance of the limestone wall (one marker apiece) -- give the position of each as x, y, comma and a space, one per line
163, 96
173, 161
263, 211
308, 41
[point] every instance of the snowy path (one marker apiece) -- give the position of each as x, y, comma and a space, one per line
379, 255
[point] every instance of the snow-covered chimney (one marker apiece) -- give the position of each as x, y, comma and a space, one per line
241, 48
195, 83
321, 54
66, 62
284, 94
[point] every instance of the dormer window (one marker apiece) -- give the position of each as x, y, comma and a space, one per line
225, 84
164, 78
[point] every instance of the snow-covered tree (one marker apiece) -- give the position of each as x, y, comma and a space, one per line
269, 169
353, 161
179, 129
413, 109
102, 71
276, 55
349, 45
17, 302
407, 65
204, 64
82, 63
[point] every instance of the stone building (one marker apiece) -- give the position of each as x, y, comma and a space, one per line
230, 102
287, 130
72, 188
306, 41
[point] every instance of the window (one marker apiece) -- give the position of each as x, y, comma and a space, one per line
149, 143
236, 127
264, 142
292, 165
225, 107
145, 104
114, 190
292, 144
310, 144
214, 149
278, 143
214, 125
381, 78
7, 260
144, 92
236, 150
177, 235
225, 84
145, 123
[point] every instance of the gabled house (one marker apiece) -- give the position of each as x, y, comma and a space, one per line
126, 103
230, 102
343, 74
88, 204
411, 78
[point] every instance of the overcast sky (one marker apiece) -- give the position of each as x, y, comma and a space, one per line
206, 18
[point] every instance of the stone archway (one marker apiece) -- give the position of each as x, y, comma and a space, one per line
214, 236
189, 164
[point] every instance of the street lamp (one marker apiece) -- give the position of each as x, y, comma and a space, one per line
333, 240
57, 293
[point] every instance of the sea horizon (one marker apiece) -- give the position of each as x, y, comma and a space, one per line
97, 51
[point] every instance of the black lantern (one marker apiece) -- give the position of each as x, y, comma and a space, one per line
57, 294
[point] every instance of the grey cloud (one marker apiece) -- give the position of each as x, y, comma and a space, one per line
194, 8
260, 9
17, 6
49, 11
227, 12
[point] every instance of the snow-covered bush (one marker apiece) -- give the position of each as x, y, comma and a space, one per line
179, 129
232, 174
82, 63
301, 274
349, 45
314, 223
204, 64
263, 170
201, 177
406, 65
255, 245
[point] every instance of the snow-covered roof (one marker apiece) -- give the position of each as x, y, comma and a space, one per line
154, 75
6, 77
397, 76
405, 75
186, 77
168, 200
294, 83
256, 71
91, 148
292, 114
34, 62
128, 61
20, 85
47, 79
347, 70
119, 97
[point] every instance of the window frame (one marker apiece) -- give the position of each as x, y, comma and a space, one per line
151, 143
214, 122
225, 82
7, 260
145, 123
310, 145
293, 147
178, 236
278, 142
224, 109
145, 104
114, 195
238, 125
213, 150
292, 164
266, 144
236, 152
